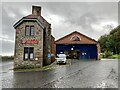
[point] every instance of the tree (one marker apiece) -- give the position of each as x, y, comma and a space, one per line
111, 42
103, 42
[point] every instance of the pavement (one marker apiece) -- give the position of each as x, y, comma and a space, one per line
76, 74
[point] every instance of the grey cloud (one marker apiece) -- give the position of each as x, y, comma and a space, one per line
77, 16
7, 27
7, 47
7, 22
85, 14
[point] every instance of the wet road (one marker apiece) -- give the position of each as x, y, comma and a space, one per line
78, 74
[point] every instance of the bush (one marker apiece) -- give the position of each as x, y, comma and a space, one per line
7, 58
116, 56
107, 54
102, 55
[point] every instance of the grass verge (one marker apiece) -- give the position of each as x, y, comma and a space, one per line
116, 56
48, 67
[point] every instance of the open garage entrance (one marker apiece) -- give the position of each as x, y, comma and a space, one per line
78, 51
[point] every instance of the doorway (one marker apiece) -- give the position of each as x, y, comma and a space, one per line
72, 54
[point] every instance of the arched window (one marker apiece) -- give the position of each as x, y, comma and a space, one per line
75, 38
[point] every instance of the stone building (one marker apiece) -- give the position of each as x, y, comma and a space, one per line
33, 40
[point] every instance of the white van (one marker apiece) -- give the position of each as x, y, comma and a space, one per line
61, 59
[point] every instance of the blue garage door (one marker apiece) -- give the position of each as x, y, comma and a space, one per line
86, 51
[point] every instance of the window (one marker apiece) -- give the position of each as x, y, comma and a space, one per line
76, 38
28, 53
25, 53
31, 53
32, 31
29, 31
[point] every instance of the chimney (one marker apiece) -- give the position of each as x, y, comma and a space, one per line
36, 10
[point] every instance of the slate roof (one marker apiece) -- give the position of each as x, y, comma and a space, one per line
39, 19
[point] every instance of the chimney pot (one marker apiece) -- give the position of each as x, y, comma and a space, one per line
36, 10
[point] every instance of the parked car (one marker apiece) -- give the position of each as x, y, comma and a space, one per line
61, 59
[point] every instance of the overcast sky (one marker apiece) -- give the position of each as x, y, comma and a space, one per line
90, 18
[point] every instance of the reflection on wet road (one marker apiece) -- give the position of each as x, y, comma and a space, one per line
80, 74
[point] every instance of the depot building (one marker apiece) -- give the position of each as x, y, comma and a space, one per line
78, 46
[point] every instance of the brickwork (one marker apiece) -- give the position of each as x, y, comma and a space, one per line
83, 39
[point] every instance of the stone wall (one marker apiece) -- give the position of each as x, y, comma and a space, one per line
47, 45
19, 47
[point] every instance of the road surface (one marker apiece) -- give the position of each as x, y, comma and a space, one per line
77, 74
